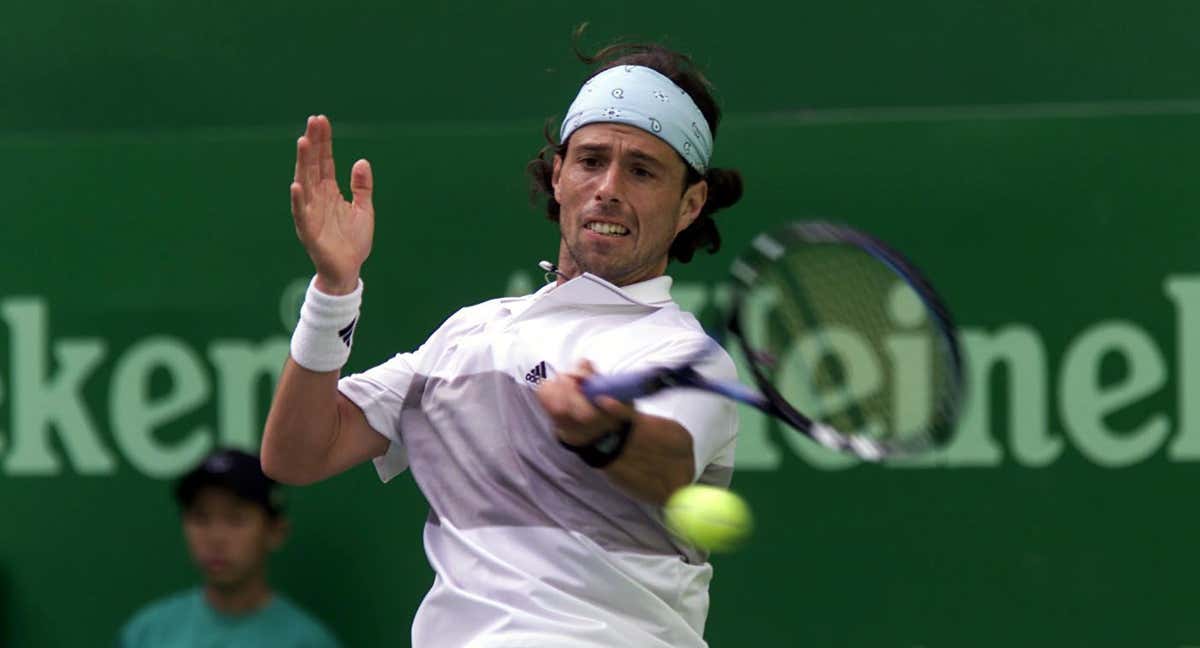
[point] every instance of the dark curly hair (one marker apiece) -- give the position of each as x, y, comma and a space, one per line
724, 185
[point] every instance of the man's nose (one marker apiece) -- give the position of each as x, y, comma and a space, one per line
609, 189
214, 537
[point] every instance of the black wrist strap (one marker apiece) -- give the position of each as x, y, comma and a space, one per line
604, 450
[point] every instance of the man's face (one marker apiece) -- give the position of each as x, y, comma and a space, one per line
229, 538
623, 201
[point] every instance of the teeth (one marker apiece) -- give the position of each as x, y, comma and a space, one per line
607, 228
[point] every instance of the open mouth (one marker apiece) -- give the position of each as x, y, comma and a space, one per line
607, 229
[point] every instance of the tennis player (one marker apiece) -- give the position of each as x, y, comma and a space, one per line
545, 526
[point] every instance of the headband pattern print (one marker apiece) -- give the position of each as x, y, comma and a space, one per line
644, 97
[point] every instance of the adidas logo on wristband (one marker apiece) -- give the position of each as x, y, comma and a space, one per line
312, 345
348, 333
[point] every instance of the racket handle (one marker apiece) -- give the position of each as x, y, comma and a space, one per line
622, 386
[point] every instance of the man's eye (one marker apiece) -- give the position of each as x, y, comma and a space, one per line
589, 162
642, 172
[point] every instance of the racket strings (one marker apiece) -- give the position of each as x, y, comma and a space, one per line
853, 345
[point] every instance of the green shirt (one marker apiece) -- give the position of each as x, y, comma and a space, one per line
186, 620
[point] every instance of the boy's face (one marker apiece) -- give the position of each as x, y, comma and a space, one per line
230, 538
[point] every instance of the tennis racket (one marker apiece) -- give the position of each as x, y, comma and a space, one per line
845, 340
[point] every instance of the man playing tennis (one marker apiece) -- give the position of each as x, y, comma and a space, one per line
545, 527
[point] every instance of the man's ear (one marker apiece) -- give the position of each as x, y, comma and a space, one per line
693, 201
554, 175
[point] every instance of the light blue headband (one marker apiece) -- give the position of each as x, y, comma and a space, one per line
641, 97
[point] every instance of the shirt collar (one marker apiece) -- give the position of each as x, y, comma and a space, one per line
587, 288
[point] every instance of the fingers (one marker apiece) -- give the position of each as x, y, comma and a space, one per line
362, 184
583, 369
314, 162
550, 395
307, 171
297, 195
324, 134
314, 153
579, 408
297, 177
578, 420
615, 408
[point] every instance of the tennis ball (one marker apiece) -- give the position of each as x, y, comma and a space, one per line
711, 518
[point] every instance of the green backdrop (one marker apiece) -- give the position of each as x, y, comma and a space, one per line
1039, 160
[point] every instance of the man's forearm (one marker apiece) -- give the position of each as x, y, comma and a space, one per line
301, 425
656, 461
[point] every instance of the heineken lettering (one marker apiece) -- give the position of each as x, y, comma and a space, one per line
167, 402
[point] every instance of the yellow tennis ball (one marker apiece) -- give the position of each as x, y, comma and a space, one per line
709, 517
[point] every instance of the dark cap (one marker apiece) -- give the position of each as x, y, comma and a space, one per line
234, 470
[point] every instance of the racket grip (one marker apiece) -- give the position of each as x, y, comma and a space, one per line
623, 386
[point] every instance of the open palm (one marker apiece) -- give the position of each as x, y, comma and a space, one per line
337, 234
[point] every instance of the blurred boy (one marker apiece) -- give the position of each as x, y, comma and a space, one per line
232, 522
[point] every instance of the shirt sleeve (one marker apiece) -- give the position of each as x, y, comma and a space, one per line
384, 391
320, 637
711, 420
380, 392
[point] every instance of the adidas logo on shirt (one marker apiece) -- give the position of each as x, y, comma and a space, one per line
537, 374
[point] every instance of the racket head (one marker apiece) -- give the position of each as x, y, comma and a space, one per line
847, 340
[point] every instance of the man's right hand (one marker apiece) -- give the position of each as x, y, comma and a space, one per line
337, 234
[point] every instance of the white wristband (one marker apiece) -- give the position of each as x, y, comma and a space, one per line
322, 339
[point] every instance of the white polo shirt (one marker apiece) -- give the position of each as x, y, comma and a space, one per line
530, 545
